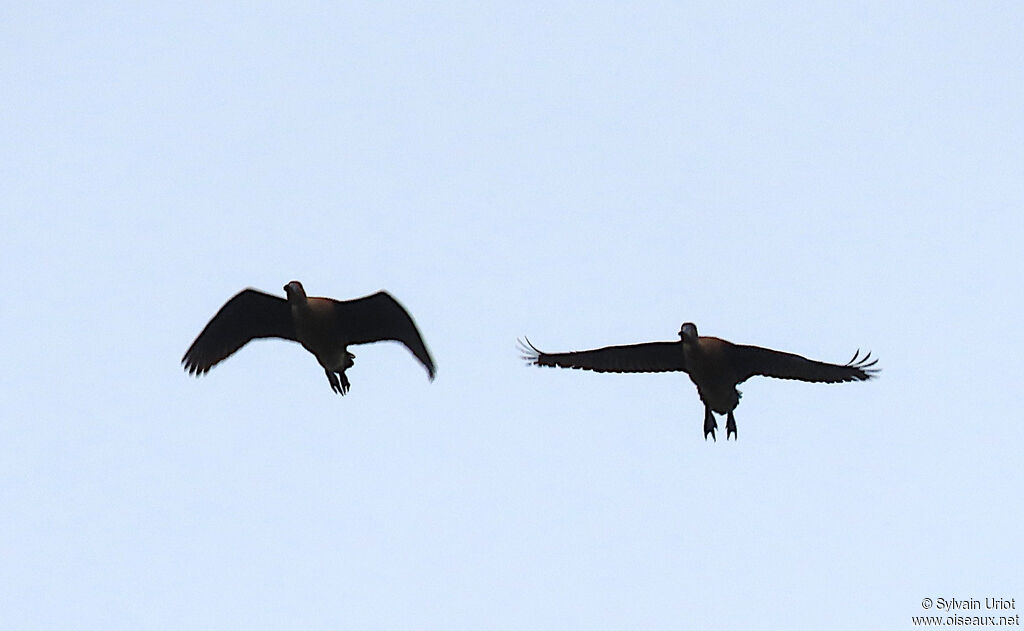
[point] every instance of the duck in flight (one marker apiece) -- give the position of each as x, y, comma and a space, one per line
715, 366
324, 327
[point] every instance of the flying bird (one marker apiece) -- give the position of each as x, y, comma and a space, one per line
715, 366
324, 327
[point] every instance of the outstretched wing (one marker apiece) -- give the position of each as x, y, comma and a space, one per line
748, 361
247, 316
380, 317
648, 357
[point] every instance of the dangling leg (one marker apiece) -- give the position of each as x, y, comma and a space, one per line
349, 362
710, 425
730, 427
342, 386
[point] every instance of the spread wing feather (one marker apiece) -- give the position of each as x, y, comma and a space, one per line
647, 357
380, 317
754, 360
249, 315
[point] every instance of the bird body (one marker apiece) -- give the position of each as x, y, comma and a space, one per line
712, 375
715, 367
317, 329
323, 326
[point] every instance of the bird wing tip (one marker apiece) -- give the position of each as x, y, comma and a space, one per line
529, 352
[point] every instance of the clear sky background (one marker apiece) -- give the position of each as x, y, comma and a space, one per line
813, 179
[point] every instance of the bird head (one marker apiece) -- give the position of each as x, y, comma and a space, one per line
688, 332
295, 292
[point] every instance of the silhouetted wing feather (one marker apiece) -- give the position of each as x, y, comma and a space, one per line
249, 315
748, 361
380, 317
648, 357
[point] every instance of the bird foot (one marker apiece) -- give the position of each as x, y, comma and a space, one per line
710, 425
341, 386
730, 428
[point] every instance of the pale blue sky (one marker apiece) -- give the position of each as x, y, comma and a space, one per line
814, 179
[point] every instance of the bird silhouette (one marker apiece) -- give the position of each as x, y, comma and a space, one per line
325, 327
715, 366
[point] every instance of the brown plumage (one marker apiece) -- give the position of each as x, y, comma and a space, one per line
324, 327
715, 366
